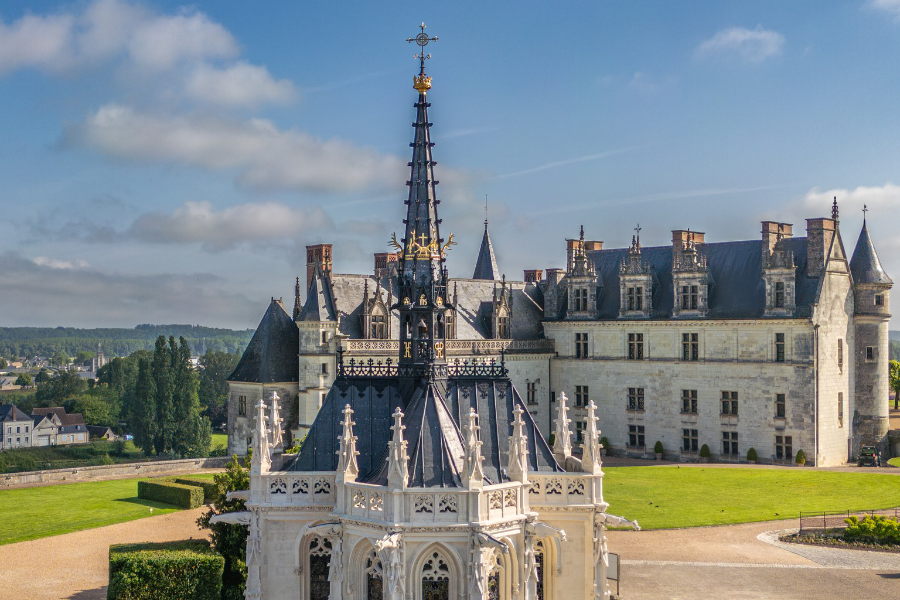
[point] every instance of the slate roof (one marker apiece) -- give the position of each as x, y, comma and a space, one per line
432, 418
865, 266
73, 419
319, 305
738, 290
271, 355
486, 265
11, 412
345, 294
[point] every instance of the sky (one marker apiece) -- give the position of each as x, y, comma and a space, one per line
163, 162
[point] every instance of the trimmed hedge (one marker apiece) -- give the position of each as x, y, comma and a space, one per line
185, 570
167, 492
210, 488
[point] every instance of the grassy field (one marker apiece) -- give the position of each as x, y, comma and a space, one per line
218, 439
55, 509
666, 497
894, 462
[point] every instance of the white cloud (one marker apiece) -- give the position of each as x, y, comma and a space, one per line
241, 84
265, 157
750, 45
199, 222
889, 6
53, 263
161, 42
881, 200
32, 41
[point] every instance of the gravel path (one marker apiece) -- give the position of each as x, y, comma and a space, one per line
839, 558
75, 566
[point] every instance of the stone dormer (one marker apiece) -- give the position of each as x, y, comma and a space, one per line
778, 270
636, 281
501, 312
376, 313
690, 275
581, 279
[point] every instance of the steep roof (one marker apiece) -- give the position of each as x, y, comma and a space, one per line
271, 355
737, 292
486, 265
865, 266
319, 304
11, 412
60, 412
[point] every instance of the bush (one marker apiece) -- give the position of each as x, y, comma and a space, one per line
185, 570
801, 457
704, 451
751, 455
873, 530
550, 440
658, 447
604, 442
185, 496
210, 488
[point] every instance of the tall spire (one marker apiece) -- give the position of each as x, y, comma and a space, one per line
865, 265
422, 280
486, 265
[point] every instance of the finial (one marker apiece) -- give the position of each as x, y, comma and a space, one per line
485, 213
865, 210
637, 231
422, 83
834, 209
581, 237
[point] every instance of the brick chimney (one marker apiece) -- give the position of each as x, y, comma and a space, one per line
533, 275
819, 233
318, 255
385, 263
680, 237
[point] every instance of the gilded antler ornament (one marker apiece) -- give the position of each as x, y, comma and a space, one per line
449, 243
394, 243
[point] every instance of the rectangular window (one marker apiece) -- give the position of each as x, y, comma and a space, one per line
784, 449
841, 355
779, 406
531, 392
730, 443
379, 328
579, 431
26, 429
635, 346
729, 403
18, 429
581, 345
581, 395
870, 353
689, 440
689, 297
879, 299
636, 436
689, 401
324, 337
503, 328
690, 346
840, 409
635, 398
242, 406
635, 298
779, 294
779, 347
581, 302
324, 368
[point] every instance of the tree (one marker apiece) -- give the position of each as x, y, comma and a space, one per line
83, 357
43, 376
215, 369
24, 380
161, 374
59, 358
140, 409
3, 363
894, 375
65, 386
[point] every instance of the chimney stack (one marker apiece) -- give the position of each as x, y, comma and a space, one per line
819, 233
318, 255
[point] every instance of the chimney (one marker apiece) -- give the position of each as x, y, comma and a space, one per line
593, 245
385, 263
318, 255
819, 233
772, 232
533, 275
680, 238
572, 248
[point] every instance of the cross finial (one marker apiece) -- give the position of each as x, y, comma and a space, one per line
865, 210
834, 209
422, 40
637, 231
485, 212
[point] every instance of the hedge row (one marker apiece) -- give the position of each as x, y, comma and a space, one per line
185, 570
167, 492
210, 488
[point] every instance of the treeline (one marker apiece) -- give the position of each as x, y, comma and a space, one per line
894, 350
156, 396
46, 341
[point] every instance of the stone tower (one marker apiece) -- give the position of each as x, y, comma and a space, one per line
871, 293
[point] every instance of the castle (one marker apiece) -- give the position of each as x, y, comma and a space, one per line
778, 344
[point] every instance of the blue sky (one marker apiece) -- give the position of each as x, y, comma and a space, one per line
163, 162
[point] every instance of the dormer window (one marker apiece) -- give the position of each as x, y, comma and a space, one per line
689, 297
379, 327
635, 298
581, 299
503, 328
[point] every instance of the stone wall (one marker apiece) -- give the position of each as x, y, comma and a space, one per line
240, 427
122, 471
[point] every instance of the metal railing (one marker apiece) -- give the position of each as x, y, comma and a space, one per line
821, 520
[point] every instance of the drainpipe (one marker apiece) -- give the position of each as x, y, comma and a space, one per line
816, 415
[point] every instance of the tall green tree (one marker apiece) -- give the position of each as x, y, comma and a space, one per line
161, 373
24, 380
215, 367
140, 409
894, 375
65, 386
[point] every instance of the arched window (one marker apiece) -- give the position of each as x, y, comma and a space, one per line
319, 559
494, 581
374, 578
436, 578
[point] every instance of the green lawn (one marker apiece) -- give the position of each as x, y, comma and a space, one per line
218, 439
666, 497
894, 462
51, 510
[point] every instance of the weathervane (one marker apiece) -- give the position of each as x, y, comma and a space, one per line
865, 210
421, 82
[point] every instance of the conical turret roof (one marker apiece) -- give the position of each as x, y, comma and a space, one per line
864, 265
271, 355
486, 265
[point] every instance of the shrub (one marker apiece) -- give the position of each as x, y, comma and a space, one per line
210, 488
185, 570
604, 442
801, 457
658, 447
751, 455
167, 492
873, 530
704, 451
551, 439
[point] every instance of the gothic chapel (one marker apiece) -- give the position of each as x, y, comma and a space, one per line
423, 476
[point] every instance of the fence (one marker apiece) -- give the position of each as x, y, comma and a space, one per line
837, 519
